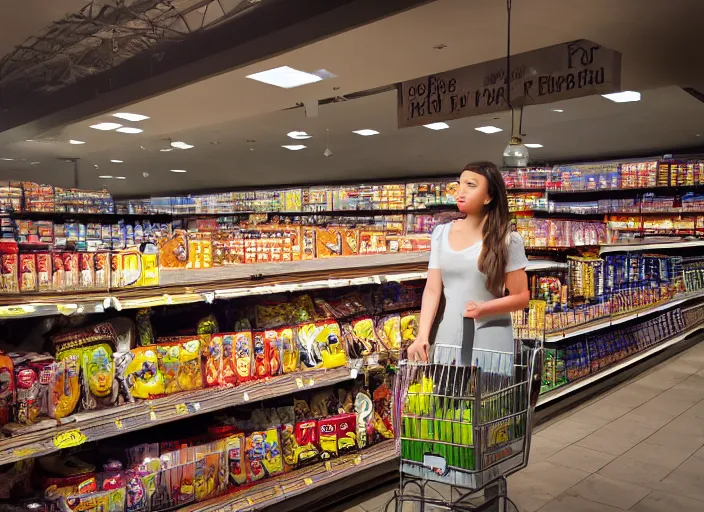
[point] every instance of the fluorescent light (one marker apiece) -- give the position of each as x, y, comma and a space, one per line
295, 147
559, 110
127, 129
8, 159
76, 142
437, 126
366, 132
116, 161
166, 150
489, 129
181, 145
299, 135
106, 126
177, 170
105, 177
130, 117
533, 145
34, 163
285, 77
120, 178
623, 97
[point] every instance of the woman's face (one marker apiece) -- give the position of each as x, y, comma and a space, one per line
473, 193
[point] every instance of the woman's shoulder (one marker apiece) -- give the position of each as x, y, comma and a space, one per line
439, 230
514, 238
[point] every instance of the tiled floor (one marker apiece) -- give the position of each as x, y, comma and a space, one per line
639, 448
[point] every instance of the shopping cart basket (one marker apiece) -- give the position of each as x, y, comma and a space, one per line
468, 427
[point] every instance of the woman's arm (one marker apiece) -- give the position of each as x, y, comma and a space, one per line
517, 299
419, 349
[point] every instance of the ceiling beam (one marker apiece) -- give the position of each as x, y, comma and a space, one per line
274, 27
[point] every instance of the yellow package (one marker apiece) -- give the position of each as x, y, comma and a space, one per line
388, 330
142, 374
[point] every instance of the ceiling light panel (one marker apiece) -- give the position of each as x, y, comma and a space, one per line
285, 77
106, 126
129, 129
558, 110
533, 146
116, 161
623, 97
437, 126
489, 129
299, 135
7, 159
105, 177
295, 147
130, 117
366, 132
178, 170
76, 142
120, 178
181, 145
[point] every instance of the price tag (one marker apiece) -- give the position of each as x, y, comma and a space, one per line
357, 460
299, 382
152, 414
311, 383
328, 466
250, 500
193, 407
308, 481
278, 491
181, 409
245, 396
69, 439
22, 453
118, 424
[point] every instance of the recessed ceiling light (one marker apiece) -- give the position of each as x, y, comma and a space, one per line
533, 145
623, 97
128, 129
559, 110
130, 117
437, 126
166, 150
7, 159
285, 77
76, 142
489, 129
181, 145
698, 135
106, 126
30, 140
299, 135
178, 170
116, 161
120, 178
366, 132
295, 147
105, 177
34, 163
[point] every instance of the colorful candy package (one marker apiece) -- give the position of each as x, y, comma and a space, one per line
7, 388
236, 460
274, 348
142, 374
261, 355
214, 362
289, 350
264, 457
388, 331
229, 362
244, 359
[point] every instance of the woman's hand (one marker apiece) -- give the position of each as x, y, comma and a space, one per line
473, 309
418, 350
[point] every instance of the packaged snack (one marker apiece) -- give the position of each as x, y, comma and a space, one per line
364, 409
274, 348
300, 443
264, 457
409, 327
332, 242
7, 388
9, 267
363, 337
65, 389
328, 438
236, 460
289, 350
98, 369
142, 374
28, 273
214, 362
179, 363
102, 270
300, 309
58, 279
86, 266
261, 355
70, 261
244, 358
207, 472
145, 335
44, 273
345, 431
33, 376
229, 362
388, 330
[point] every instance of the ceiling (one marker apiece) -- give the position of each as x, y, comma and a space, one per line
657, 40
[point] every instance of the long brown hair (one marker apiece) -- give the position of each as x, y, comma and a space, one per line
494, 255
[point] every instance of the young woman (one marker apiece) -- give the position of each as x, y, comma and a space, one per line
479, 265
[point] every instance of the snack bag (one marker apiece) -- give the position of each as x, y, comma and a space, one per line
102, 270
361, 338
169, 356
388, 331
274, 347
364, 409
70, 262
229, 367
58, 279
236, 460
289, 350
144, 327
244, 359
44, 274
309, 352
328, 438
33, 376
28, 273
142, 374
299, 443
86, 266
207, 471
261, 355
409, 327
214, 362
9, 264
330, 342
264, 457
7, 388
65, 389
98, 370
345, 430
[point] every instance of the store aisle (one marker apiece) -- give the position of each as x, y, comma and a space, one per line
639, 448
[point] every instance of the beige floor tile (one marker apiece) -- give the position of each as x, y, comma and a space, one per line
539, 483
585, 416
664, 379
669, 403
355, 509
633, 396
618, 440
648, 416
648, 453
608, 408
541, 448
578, 457
609, 492
696, 410
567, 503
685, 432
568, 431
687, 480
665, 502
632, 471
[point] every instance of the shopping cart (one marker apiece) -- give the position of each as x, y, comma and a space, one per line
465, 427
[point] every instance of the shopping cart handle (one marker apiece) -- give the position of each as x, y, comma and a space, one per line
468, 336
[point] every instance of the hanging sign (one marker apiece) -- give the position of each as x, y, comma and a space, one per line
559, 72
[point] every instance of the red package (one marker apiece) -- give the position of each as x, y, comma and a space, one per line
33, 375
327, 429
57, 272
86, 265
102, 270
273, 349
9, 267
229, 368
70, 260
306, 433
7, 388
346, 432
28, 273
44, 274
261, 355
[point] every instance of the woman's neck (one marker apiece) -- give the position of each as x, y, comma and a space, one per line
473, 222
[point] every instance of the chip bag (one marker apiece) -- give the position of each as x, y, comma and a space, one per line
261, 355
142, 374
7, 388
214, 362
388, 331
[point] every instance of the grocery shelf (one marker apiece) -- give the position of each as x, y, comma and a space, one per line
633, 190
47, 437
572, 387
622, 318
275, 490
645, 245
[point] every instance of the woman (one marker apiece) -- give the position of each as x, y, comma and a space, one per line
479, 265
